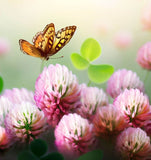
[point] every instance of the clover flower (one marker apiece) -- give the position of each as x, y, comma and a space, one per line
103, 27
133, 143
123, 39
146, 17
144, 56
25, 122
17, 96
57, 92
91, 99
5, 106
5, 140
122, 79
147, 127
108, 121
4, 46
135, 106
74, 136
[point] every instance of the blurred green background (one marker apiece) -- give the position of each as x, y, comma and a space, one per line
22, 19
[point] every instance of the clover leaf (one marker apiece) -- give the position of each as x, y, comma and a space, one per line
26, 155
38, 147
100, 73
95, 154
79, 62
1, 84
37, 150
53, 156
90, 49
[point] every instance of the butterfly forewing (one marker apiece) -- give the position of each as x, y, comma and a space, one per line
29, 49
44, 40
62, 37
48, 37
37, 39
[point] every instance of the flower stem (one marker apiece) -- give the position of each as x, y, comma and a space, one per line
42, 65
146, 76
89, 83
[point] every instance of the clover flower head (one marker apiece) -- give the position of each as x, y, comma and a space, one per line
25, 122
146, 17
57, 92
123, 39
147, 127
91, 99
133, 143
5, 139
109, 121
4, 46
134, 105
144, 56
121, 80
5, 106
17, 96
74, 136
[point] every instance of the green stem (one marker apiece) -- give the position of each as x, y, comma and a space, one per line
42, 65
89, 83
27, 142
146, 76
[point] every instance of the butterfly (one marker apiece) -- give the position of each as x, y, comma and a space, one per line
47, 42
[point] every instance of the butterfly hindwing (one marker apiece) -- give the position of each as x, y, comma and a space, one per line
29, 49
44, 40
62, 37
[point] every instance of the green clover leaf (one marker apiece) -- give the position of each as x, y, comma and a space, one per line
53, 156
79, 62
1, 84
100, 73
90, 49
96, 154
26, 155
38, 147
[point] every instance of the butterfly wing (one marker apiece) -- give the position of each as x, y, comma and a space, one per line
37, 39
62, 37
30, 49
44, 40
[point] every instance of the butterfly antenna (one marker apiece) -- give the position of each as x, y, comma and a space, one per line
56, 57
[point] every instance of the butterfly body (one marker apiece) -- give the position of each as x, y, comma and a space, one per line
47, 42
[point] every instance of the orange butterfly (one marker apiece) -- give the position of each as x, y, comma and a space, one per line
47, 42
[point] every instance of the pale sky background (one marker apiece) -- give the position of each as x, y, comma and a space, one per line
22, 19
